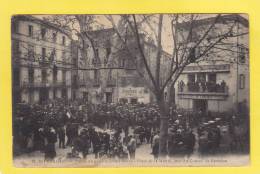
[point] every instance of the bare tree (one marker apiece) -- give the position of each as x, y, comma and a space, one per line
80, 25
192, 43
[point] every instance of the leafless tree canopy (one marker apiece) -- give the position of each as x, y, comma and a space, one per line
191, 43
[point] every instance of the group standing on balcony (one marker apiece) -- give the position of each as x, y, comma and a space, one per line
200, 86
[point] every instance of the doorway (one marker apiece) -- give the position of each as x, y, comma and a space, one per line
108, 97
44, 93
200, 105
64, 93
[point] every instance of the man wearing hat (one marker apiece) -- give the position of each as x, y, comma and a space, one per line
51, 136
131, 147
155, 145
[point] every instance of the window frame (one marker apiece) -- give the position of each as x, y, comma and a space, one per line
242, 79
63, 40
242, 54
43, 33
30, 30
31, 51
15, 27
54, 37
43, 55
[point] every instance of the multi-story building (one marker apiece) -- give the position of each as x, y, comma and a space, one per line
220, 82
42, 64
113, 74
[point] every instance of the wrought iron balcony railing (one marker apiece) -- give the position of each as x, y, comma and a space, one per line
202, 88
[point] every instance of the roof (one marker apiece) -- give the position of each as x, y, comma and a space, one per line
42, 22
222, 19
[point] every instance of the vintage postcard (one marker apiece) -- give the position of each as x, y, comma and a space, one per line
130, 90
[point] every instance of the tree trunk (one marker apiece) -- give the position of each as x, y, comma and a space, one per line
172, 95
163, 127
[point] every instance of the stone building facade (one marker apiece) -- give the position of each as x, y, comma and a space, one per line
113, 74
219, 83
42, 64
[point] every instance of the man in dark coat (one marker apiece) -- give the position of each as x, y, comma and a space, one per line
61, 136
155, 145
131, 147
51, 137
69, 134
85, 139
39, 139
96, 143
189, 142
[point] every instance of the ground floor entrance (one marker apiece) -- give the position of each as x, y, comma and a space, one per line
64, 93
108, 97
85, 96
200, 105
44, 94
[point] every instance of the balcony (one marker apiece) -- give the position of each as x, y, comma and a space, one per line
34, 85
42, 85
206, 90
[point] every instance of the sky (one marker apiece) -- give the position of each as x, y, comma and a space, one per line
167, 41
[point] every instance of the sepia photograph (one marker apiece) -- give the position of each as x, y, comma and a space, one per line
130, 90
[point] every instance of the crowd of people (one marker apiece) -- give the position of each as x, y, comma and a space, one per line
40, 126
113, 130
200, 86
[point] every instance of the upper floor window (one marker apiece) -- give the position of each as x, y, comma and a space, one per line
64, 76
15, 47
54, 37
108, 51
63, 56
30, 51
31, 75
63, 40
194, 53
97, 52
96, 75
165, 96
53, 54
105, 61
43, 33
109, 75
242, 81
55, 74
44, 76
191, 78
242, 54
30, 30
201, 77
212, 77
122, 62
15, 27
43, 53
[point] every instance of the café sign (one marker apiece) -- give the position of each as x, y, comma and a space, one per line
132, 92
